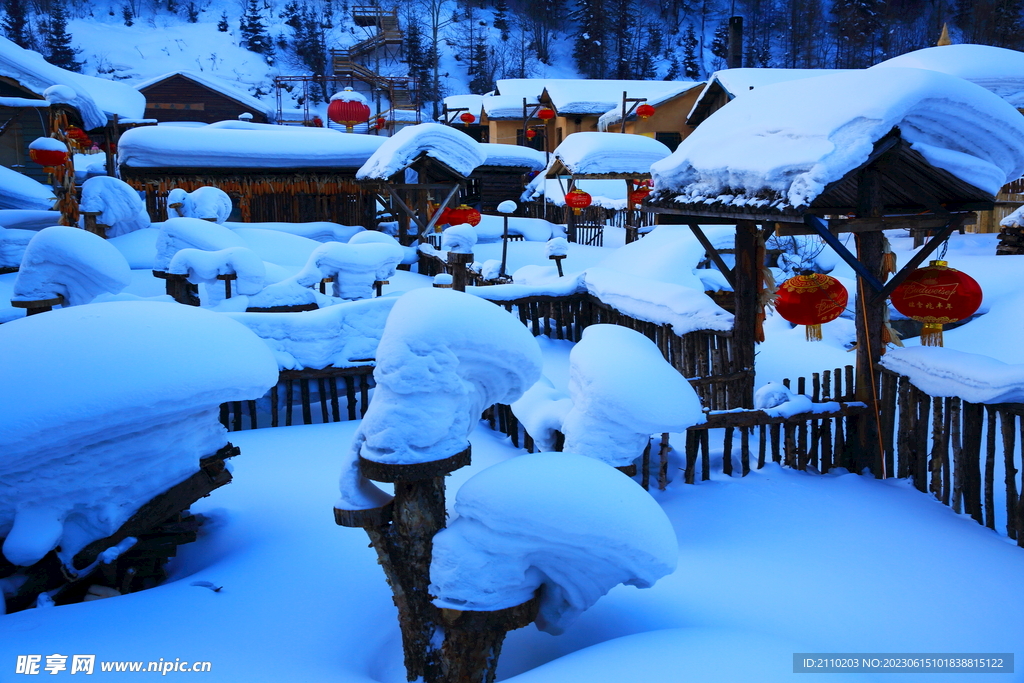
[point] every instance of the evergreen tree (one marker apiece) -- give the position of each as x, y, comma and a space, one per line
720, 44
57, 41
222, 25
858, 28
501, 18
127, 14
590, 45
292, 15
172, 6
192, 12
15, 22
691, 68
253, 31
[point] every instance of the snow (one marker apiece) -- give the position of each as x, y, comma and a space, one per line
473, 103
207, 203
318, 231
594, 96
28, 219
354, 267
760, 147
606, 193
218, 85
48, 144
459, 238
557, 246
591, 153
120, 206
513, 156
72, 263
521, 529
623, 390
508, 206
444, 356
994, 68
972, 377
191, 233
341, 335
348, 95
18, 191
613, 116
739, 82
96, 99
1015, 219
244, 145
451, 147
542, 410
140, 388
12, 246
204, 267
490, 228
281, 248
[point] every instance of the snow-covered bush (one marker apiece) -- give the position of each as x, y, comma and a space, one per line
558, 521
140, 388
623, 390
206, 203
71, 263
120, 206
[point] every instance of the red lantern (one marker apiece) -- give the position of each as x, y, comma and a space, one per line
443, 219
463, 214
545, 114
937, 295
348, 113
531, 134
578, 199
811, 300
48, 152
645, 111
467, 118
639, 194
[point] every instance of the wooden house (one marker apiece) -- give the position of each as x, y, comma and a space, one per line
272, 173
503, 175
458, 106
191, 96
668, 124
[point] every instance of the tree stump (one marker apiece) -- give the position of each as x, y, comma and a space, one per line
458, 266
38, 305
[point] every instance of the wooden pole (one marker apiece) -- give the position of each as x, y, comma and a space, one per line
746, 276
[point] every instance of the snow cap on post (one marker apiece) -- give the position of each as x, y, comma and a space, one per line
183, 233
72, 263
119, 205
459, 238
623, 390
521, 528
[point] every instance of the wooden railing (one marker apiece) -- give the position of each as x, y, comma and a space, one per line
297, 394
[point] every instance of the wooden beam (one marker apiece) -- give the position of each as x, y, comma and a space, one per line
713, 253
755, 418
954, 223
821, 229
440, 208
405, 207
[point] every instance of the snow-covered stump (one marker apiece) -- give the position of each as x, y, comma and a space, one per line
459, 240
443, 357
473, 640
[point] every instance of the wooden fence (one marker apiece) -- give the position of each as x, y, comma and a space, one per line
297, 394
938, 443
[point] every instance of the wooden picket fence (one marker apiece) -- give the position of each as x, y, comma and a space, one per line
301, 394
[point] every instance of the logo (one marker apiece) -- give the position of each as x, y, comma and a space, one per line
916, 289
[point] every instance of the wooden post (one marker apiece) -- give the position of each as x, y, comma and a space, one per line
747, 275
864, 441
457, 266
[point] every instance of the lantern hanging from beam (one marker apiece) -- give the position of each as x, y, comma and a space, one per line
48, 152
545, 114
531, 134
812, 300
637, 196
645, 111
463, 214
467, 118
935, 296
348, 108
578, 200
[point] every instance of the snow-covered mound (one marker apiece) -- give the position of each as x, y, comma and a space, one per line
191, 233
623, 390
459, 238
444, 357
354, 267
993, 68
452, 147
207, 203
940, 371
762, 146
94, 98
204, 267
71, 263
119, 204
244, 145
18, 191
515, 156
521, 528
342, 335
140, 385
596, 153
542, 410
318, 231
12, 246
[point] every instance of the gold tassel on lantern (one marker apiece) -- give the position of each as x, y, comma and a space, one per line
813, 332
888, 259
931, 334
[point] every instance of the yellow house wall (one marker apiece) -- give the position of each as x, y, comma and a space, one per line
668, 117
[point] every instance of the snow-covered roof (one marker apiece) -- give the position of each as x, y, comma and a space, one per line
582, 96
512, 155
472, 103
452, 147
762, 150
221, 86
993, 68
614, 115
244, 145
736, 82
590, 153
18, 191
505, 107
95, 98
